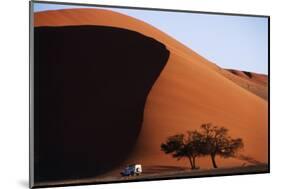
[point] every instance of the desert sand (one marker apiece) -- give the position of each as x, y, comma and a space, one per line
190, 91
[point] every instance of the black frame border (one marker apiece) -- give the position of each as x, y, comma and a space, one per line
31, 100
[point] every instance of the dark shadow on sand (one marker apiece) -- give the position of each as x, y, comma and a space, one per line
91, 84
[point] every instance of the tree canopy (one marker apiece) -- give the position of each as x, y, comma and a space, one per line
184, 146
216, 141
209, 140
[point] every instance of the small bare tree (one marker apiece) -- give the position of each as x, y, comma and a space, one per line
184, 146
210, 140
215, 141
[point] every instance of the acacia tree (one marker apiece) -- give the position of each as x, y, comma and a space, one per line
184, 146
216, 141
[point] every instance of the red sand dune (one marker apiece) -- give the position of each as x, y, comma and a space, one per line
255, 83
190, 91
254, 77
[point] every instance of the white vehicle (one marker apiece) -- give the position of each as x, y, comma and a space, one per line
132, 170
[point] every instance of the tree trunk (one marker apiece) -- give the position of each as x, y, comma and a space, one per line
191, 163
214, 161
194, 165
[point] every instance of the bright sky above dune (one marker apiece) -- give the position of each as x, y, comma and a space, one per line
236, 42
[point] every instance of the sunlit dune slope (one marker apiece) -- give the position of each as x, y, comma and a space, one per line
189, 91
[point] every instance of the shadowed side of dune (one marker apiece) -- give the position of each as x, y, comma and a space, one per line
90, 90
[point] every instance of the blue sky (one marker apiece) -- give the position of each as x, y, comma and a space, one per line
237, 42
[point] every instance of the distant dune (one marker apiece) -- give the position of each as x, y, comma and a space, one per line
253, 82
189, 91
257, 78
